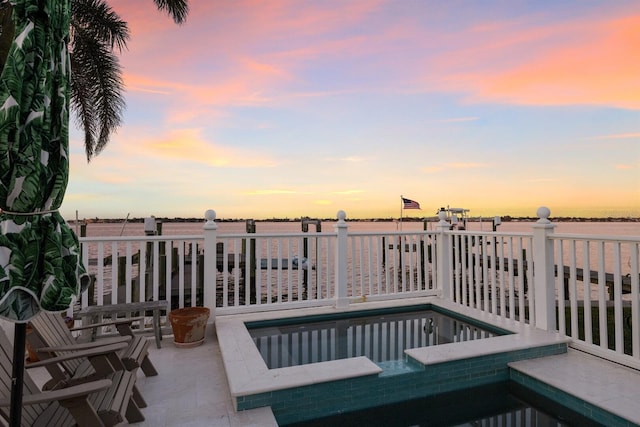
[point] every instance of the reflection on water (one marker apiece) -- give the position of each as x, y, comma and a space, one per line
381, 338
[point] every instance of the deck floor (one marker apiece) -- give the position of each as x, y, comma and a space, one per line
192, 389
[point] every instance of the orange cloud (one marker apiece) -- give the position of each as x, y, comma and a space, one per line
271, 192
348, 192
454, 166
187, 144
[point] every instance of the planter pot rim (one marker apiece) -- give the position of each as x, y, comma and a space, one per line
190, 312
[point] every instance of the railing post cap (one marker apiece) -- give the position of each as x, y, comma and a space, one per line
210, 216
442, 215
543, 213
342, 215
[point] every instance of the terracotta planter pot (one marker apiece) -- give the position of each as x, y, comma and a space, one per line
32, 356
189, 325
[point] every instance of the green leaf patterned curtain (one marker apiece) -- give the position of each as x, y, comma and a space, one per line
40, 266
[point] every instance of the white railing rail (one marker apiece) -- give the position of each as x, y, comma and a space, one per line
547, 280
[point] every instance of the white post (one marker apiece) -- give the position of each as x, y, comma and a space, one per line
210, 262
543, 272
443, 256
342, 301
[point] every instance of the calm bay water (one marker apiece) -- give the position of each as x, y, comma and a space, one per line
195, 228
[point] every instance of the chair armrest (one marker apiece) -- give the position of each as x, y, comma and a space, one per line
95, 351
61, 394
116, 322
84, 345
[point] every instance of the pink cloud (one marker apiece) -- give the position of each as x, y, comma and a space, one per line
593, 62
253, 46
619, 136
255, 53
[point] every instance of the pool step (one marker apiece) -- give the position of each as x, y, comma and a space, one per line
607, 392
398, 367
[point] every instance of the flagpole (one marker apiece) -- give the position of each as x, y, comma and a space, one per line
401, 205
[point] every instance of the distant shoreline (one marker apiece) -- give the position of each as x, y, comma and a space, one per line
409, 219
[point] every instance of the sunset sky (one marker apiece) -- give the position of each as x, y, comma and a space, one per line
262, 109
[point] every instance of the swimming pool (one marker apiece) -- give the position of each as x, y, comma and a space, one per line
504, 404
381, 335
309, 391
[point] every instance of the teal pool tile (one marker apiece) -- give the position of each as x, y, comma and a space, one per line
578, 405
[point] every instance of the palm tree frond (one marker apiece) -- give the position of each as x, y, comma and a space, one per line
99, 21
177, 9
97, 89
101, 86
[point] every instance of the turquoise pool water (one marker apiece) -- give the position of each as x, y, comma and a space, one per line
504, 404
380, 335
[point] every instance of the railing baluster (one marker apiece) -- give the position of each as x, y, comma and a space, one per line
560, 285
617, 299
586, 285
522, 276
531, 293
114, 273
602, 297
511, 277
573, 289
142, 270
100, 274
156, 270
181, 286
194, 274
503, 264
635, 299
168, 252
127, 274
493, 274
85, 260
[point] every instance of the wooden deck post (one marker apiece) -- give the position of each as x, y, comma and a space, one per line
251, 291
210, 261
341, 227
443, 257
305, 248
543, 272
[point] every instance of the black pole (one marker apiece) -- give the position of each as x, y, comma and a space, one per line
17, 377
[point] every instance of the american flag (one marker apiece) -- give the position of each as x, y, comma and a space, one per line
410, 204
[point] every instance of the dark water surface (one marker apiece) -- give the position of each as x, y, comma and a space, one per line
504, 404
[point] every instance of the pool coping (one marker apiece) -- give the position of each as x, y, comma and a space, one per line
248, 374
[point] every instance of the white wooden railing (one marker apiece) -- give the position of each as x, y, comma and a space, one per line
584, 287
527, 277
